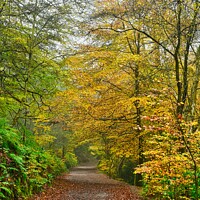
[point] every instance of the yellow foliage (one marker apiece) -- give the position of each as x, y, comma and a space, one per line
44, 139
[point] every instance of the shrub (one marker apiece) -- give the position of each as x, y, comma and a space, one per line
171, 173
24, 169
70, 160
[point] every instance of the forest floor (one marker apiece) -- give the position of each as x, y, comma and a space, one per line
86, 183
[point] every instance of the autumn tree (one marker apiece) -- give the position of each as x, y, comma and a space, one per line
135, 77
177, 30
109, 99
31, 33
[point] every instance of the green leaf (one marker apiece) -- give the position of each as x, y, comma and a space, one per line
2, 195
6, 189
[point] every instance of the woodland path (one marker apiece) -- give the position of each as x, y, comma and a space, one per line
86, 183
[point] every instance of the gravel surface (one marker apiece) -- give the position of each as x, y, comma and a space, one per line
86, 183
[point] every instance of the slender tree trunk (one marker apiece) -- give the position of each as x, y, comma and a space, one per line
180, 105
136, 72
193, 97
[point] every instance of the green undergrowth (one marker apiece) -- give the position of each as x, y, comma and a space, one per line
24, 167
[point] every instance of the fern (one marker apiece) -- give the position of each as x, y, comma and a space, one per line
2, 195
24, 168
6, 190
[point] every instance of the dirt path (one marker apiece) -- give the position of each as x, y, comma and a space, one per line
85, 183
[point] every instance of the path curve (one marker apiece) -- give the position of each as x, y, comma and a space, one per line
86, 183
